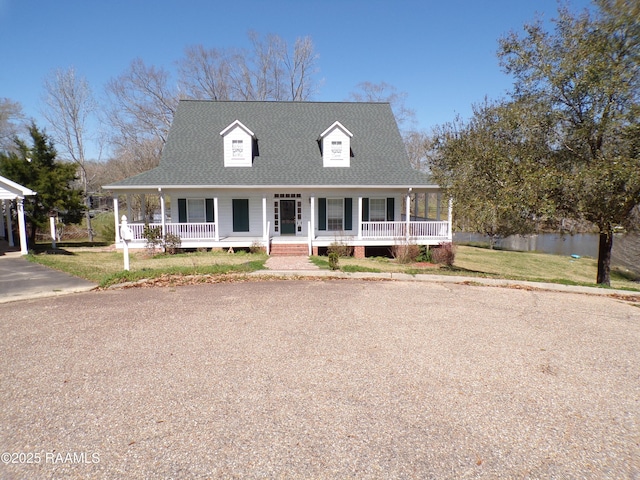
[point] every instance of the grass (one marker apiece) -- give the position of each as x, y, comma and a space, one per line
106, 267
536, 267
475, 261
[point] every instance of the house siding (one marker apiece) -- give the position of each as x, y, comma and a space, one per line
225, 208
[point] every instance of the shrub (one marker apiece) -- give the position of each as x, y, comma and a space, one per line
405, 252
341, 249
155, 241
444, 254
257, 247
172, 243
153, 237
333, 261
424, 255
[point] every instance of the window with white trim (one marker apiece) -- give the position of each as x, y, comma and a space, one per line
335, 214
196, 212
237, 148
377, 209
336, 149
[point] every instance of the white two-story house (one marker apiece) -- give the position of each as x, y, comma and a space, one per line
291, 176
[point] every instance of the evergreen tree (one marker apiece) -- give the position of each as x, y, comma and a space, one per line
36, 167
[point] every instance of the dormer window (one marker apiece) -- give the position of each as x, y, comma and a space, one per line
336, 146
237, 148
336, 150
238, 145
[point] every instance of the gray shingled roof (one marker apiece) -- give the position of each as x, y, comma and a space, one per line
288, 150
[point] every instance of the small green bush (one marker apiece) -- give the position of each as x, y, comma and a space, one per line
172, 243
341, 249
153, 237
333, 261
424, 255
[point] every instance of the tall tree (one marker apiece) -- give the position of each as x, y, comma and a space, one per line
142, 106
385, 92
491, 167
587, 72
270, 70
69, 104
35, 167
204, 73
10, 123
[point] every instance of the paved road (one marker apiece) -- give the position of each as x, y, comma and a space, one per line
21, 279
321, 379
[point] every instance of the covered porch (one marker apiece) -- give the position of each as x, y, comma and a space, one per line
412, 222
11, 192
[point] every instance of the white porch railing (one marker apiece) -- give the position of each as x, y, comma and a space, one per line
370, 230
429, 229
186, 231
382, 230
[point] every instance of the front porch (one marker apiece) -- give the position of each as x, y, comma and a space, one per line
271, 217
206, 235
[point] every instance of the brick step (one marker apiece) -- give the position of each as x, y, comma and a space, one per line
289, 249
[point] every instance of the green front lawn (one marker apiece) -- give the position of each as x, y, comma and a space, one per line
106, 267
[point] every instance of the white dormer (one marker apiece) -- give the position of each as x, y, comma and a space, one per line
336, 146
238, 145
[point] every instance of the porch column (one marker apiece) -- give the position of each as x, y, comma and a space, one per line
9, 224
21, 227
143, 207
216, 218
426, 206
438, 206
129, 207
450, 219
116, 216
265, 234
360, 217
407, 207
312, 233
164, 226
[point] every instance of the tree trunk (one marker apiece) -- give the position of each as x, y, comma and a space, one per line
604, 258
31, 238
87, 204
87, 201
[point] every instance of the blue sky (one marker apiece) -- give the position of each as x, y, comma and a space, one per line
441, 53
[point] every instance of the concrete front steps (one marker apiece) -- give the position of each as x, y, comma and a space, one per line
289, 250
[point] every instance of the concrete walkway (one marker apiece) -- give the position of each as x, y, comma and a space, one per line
289, 263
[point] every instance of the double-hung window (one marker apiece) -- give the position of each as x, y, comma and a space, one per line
335, 214
237, 149
196, 210
377, 209
336, 149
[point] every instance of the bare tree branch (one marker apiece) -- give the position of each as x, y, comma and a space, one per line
69, 103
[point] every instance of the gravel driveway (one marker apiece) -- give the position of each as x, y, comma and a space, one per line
320, 379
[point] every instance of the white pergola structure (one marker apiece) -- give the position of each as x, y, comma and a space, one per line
10, 191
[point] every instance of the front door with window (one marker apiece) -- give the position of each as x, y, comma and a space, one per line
288, 217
